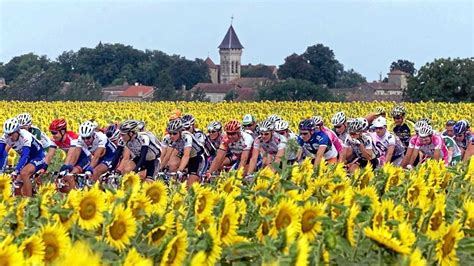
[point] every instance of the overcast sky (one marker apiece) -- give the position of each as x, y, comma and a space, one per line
364, 35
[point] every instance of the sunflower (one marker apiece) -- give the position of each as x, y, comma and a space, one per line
447, 244
310, 226
66, 218
407, 236
266, 173
176, 250
80, 254
469, 208
20, 213
89, 206
204, 202
369, 192
5, 187
416, 191
287, 215
9, 254
122, 228
367, 176
3, 210
416, 258
384, 238
204, 222
158, 233
33, 250
436, 222
351, 220
158, 195
56, 242
213, 249
229, 186
303, 252
140, 205
228, 223
135, 259
131, 181
296, 174
199, 258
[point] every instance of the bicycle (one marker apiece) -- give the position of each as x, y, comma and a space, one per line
82, 181
111, 179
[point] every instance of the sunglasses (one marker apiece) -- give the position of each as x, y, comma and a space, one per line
338, 126
54, 132
249, 125
282, 132
353, 133
304, 133
212, 131
265, 133
87, 138
397, 117
459, 135
231, 133
11, 134
379, 128
174, 133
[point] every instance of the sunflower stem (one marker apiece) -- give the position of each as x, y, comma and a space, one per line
357, 244
380, 257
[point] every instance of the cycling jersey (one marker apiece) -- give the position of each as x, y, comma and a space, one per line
143, 139
451, 143
318, 139
276, 143
428, 151
336, 142
342, 137
42, 137
383, 143
71, 140
187, 140
236, 148
465, 142
217, 141
100, 141
403, 133
365, 140
412, 141
29, 148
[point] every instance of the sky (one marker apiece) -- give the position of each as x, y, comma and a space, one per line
364, 35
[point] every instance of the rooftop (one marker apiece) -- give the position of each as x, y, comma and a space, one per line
230, 41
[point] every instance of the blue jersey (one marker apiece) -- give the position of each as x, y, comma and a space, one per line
317, 139
27, 146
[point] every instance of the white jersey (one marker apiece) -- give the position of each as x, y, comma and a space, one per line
187, 140
45, 141
383, 143
276, 143
100, 141
366, 140
25, 139
236, 148
143, 139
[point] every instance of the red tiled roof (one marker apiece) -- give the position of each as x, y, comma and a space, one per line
215, 88
245, 94
137, 91
210, 63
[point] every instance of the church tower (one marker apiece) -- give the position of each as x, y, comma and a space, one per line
230, 51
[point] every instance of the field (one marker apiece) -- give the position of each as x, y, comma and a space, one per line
298, 216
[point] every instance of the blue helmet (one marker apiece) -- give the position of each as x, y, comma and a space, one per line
307, 124
460, 127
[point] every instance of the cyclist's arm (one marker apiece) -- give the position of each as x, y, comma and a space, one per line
469, 152
185, 159
319, 155
97, 155
117, 155
73, 155
366, 153
253, 160
279, 155
49, 154
413, 156
343, 155
437, 154
216, 163
25, 154
3, 154
166, 156
388, 156
142, 159
244, 158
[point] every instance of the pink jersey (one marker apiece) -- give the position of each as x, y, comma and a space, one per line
412, 141
334, 139
437, 143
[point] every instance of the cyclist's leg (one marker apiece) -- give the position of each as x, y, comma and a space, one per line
99, 170
25, 174
193, 170
174, 161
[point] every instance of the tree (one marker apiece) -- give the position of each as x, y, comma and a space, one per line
82, 88
257, 71
295, 67
21, 64
294, 90
349, 78
404, 65
450, 80
325, 66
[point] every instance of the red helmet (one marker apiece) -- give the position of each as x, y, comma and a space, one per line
58, 124
232, 126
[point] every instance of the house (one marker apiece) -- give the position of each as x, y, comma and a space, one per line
215, 92
128, 92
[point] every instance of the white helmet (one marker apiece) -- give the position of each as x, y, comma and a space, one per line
356, 125
266, 125
273, 118
214, 125
11, 125
380, 122
318, 120
281, 125
87, 129
24, 119
419, 124
248, 119
338, 119
425, 131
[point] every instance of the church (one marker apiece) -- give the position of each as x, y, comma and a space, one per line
226, 77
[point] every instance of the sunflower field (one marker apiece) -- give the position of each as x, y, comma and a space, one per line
296, 216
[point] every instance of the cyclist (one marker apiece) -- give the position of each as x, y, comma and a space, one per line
430, 145
316, 142
250, 125
77, 156
101, 148
389, 147
461, 135
144, 148
235, 142
449, 128
339, 121
454, 153
190, 151
319, 125
189, 125
401, 128
25, 122
113, 134
411, 144
469, 150
269, 146
282, 128
30, 150
360, 144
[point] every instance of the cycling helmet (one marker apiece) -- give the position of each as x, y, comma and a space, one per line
232, 126
338, 119
188, 120
281, 125
94, 123
419, 124
380, 122
307, 124
379, 110
141, 125
215, 125
58, 124
175, 125
398, 110
112, 132
265, 125
24, 119
450, 123
175, 114
86, 129
273, 118
356, 125
425, 131
467, 123
460, 127
427, 120
11, 125
248, 119
318, 120
364, 123
129, 126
